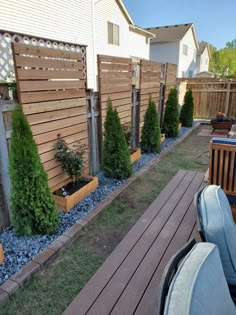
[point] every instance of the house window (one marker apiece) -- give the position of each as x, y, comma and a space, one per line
113, 34
185, 50
190, 73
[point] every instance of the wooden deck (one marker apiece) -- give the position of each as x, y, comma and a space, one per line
128, 281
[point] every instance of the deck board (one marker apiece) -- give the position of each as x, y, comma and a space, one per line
128, 281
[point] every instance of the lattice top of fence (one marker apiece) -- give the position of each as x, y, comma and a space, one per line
7, 72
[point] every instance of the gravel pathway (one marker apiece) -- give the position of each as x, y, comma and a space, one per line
19, 250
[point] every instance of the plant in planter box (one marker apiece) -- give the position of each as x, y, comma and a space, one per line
116, 155
135, 153
72, 160
171, 116
151, 133
33, 208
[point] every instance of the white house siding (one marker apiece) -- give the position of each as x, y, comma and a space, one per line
187, 63
69, 21
204, 61
137, 46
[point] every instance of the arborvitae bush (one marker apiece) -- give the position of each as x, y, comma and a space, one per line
186, 113
33, 207
116, 155
171, 117
151, 133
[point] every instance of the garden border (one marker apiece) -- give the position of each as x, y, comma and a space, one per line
37, 264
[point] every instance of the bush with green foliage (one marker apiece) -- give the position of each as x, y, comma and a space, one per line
72, 159
151, 133
116, 155
171, 116
33, 207
186, 113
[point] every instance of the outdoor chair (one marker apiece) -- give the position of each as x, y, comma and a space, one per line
222, 165
232, 132
198, 286
217, 226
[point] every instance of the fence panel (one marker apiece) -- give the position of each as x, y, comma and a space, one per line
51, 90
170, 78
150, 79
115, 82
212, 96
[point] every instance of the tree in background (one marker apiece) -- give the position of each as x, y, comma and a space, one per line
171, 116
223, 61
186, 113
116, 155
151, 133
33, 207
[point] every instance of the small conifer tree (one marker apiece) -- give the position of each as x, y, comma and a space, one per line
151, 133
116, 155
33, 207
186, 113
171, 116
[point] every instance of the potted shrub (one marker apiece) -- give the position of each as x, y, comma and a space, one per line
135, 153
1, 253
171, 116
116, 155
151, 133
79, 185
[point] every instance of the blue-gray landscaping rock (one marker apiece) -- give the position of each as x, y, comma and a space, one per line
19, 250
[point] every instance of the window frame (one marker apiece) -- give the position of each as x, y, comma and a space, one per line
113, 32
185, 50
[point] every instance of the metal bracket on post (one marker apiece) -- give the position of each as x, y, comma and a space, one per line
93, 137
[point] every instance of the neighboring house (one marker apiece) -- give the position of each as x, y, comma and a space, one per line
206, 74
203, 58
103, 25
176, 44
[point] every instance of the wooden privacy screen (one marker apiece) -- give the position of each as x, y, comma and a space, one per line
51, 90
170, 78
115, 82
213, 96
150, 78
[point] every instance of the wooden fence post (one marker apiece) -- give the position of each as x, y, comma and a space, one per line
4, 160
135, 117
227, 98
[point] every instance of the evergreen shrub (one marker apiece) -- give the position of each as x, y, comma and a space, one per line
171, 116
33, 207
151, 133
186, 113
116, 155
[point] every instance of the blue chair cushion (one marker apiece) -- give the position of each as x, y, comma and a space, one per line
199, 286
224, 140
218, 227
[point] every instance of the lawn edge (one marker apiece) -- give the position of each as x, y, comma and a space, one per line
51, 252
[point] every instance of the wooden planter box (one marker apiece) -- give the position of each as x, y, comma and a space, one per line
66, 203
163, 137
221, 125
1, 254
135, 156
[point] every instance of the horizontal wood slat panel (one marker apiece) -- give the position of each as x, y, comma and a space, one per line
114, 60
114, 67
23, 61
22, 49
31, 97
115, 103
116, 96
120, 109
54, 125
42, 107
115, 89
50, 85
43, 138
34, 74
115, 81
117, 74
55, 115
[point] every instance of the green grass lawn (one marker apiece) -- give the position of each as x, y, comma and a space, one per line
52, 290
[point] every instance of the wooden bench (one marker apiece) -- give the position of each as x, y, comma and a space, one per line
128, 281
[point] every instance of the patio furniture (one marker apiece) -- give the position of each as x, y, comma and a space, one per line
232, 133
198, 287
222, 165
128, 281
218, 227
221, 125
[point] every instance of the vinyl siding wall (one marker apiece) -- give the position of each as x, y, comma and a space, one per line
53, 19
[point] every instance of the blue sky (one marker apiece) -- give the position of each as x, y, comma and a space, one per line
214, 20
